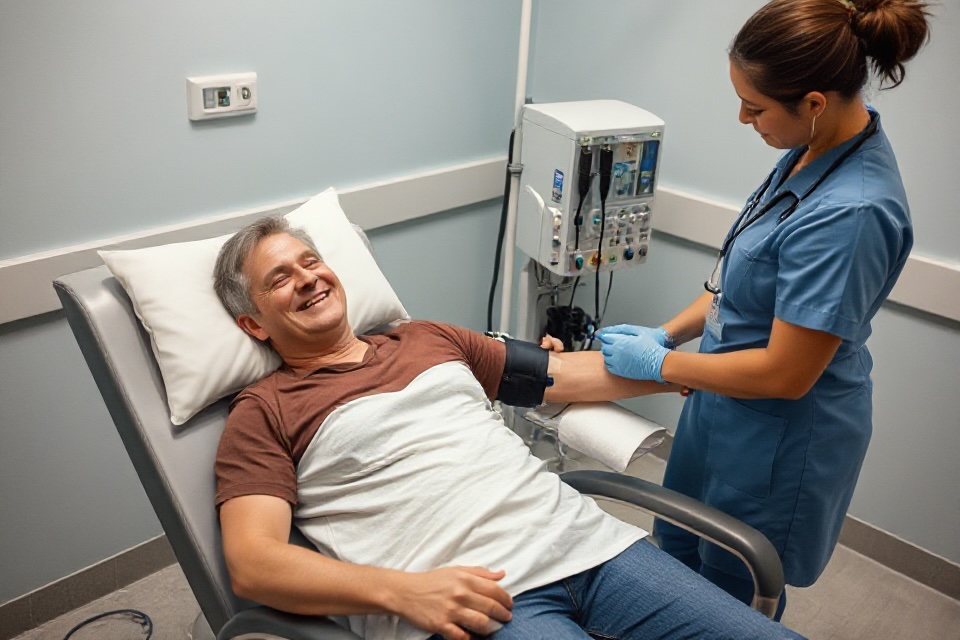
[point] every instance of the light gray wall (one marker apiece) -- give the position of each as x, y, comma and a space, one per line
95, 142
69, 496
670, 58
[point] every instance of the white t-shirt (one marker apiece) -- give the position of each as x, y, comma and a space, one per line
422, 473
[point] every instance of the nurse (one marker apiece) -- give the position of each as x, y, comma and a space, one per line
777, 428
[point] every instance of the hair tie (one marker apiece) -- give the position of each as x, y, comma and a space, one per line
849, 6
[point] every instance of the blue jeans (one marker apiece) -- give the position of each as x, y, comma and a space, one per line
641, 593
684, 546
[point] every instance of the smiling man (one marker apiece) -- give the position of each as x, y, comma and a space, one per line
429, 515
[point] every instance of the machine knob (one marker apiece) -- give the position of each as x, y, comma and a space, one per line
578, 262
628, 254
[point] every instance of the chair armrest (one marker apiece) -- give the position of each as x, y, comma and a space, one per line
711, 524
267, 622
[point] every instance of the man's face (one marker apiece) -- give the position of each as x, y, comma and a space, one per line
301, 305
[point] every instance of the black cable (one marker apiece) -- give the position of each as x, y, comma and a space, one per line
603, 312
577, 221
561, 412
606, 165
137, 616
573, 292
584, 169
583, 188
500, 234
596, 284
606, 300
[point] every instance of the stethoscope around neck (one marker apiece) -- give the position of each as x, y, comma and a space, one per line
747, 217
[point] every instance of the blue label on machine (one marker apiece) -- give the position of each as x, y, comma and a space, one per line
557, 185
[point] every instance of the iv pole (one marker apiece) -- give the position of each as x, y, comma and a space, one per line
510, 235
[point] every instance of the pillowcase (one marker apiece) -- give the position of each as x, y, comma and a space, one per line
203, 355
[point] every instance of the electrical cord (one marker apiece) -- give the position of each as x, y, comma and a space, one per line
573, 293
599, 320
136, 616
583, 187
606, 165
606, 300
500, 235
559, 413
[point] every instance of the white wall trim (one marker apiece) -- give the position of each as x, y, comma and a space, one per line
25, 282
926, 284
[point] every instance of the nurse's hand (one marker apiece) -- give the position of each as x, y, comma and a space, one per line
659, 334
639, 357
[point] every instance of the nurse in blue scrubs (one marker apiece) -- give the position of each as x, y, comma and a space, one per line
778, 424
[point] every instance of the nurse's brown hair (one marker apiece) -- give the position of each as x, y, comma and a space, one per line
792, 47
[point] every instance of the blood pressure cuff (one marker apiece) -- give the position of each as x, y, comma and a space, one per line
524, 374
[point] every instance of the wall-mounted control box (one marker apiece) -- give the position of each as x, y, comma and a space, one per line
222, 96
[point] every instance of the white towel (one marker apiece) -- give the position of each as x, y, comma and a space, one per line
604, 431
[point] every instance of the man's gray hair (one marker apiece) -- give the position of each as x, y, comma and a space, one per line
229, 281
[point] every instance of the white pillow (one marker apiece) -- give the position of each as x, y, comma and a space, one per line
202, 353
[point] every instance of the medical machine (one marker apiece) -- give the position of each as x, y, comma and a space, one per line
588, 185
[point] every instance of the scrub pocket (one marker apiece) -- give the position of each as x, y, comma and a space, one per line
743, 443
751, 280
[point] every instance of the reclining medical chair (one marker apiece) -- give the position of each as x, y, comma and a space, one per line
175, 466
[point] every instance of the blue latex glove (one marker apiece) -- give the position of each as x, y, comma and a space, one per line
659, 334
639, 357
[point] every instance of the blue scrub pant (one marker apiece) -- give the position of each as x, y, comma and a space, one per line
641, 593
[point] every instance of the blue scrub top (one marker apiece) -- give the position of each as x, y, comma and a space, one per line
789, 467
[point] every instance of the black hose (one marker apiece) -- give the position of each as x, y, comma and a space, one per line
500, 235
139, 617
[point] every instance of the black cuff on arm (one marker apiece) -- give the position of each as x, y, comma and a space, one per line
524, 374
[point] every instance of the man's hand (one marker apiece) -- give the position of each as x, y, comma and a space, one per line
550, 343
454, 601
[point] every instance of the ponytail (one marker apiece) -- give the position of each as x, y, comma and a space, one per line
892, 33
792, 47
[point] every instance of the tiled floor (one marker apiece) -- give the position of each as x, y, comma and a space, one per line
856, 599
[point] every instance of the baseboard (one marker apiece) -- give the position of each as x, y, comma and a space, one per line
904, 557
57, 598
883, 547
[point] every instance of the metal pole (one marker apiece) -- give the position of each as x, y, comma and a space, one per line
510, 234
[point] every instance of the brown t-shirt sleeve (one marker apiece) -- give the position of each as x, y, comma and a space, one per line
484, 355
254, 455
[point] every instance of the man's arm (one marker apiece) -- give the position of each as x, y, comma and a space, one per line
264, 567
580, 376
